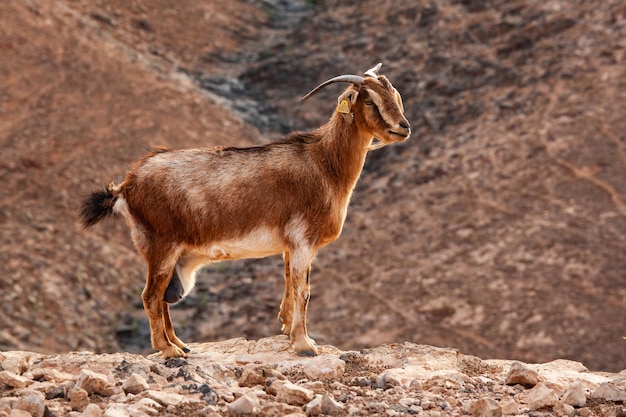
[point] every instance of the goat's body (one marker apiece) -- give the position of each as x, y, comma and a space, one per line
236, 202
187, 208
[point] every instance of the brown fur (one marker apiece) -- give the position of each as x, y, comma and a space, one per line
186, 208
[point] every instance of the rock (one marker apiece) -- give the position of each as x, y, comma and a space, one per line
292, 394
79, 399
32, 402
246, 405
147, 406
520, 373
575, 395
135, 384
164, 398
92, 382
610, 392
485, 407
11, 379
323, 367
314, 407
254, 374
541, 396
92, 410
281, 409
316, 386
116, 410
510, 408
330, 406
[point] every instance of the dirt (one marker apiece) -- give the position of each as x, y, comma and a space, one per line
498, 228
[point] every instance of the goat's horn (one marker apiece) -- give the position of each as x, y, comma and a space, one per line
372, 72
354, 79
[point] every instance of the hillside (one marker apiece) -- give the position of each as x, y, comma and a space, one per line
498, 229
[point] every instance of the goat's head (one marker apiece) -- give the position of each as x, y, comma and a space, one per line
373, 104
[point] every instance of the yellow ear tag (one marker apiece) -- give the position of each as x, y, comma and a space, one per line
343, 107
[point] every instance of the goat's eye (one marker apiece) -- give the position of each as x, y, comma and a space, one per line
368, 102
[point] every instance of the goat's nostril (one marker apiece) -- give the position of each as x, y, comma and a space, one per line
405, 125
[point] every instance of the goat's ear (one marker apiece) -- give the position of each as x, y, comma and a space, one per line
344, 104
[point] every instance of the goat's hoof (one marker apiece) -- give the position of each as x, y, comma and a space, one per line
186, 349
172, 351
306, 348
308, 352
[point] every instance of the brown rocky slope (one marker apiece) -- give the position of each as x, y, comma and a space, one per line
498, 228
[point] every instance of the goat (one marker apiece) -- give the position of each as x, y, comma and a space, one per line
188, 208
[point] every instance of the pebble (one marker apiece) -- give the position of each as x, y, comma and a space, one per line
292, 394
92, 410
246, 405
541, 396
135, 384
486, 407
32, 402
10, 379
610, 392
79, 399
324, 367
575, 395
92, 382
522, 374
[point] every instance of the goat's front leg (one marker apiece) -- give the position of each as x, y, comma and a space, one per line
300, 275
169, 329
155, 307
286, 306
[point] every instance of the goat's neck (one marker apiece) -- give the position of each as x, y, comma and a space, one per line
343, 150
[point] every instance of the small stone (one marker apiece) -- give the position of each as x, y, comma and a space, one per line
14, 380
609, 392
254, 374
563, 409
316, 386
330, 406
575, 395
79, 399
146, 406
510, 408
92, 382
281, 409
32, 402
485, 407
117, 410
165, 398
292, 394
92, 410
323, 367
314, 407
245, 405
522, 374
541, 396
135, 384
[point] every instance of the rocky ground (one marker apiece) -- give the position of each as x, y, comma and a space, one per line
248, 378
499, 228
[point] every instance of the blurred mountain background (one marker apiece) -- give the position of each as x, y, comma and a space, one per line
498, 228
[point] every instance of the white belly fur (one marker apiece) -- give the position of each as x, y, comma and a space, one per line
259, 243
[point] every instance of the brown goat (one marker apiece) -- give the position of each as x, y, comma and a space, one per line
187, 208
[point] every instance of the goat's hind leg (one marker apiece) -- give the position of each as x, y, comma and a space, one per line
285, 315
158, 311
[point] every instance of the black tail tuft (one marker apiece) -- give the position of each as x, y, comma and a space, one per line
96, 207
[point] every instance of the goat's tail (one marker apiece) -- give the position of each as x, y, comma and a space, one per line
98, 205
